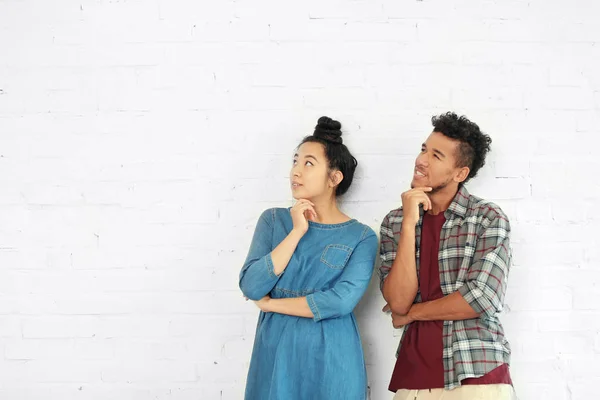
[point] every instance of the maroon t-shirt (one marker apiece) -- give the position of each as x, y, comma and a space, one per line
420, 361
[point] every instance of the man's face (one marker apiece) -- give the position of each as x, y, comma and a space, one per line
436, 164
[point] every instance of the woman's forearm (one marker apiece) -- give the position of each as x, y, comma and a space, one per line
282, 254
295, 306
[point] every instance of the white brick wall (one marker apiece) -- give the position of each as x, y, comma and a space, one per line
140, 140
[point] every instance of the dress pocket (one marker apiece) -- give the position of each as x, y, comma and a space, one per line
336, 255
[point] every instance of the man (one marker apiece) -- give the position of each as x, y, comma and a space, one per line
445, 259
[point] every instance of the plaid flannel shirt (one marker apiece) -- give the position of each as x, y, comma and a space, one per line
474, 259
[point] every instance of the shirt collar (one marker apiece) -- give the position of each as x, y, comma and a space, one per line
460, 203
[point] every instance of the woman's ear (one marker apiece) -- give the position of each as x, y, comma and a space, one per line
336, 178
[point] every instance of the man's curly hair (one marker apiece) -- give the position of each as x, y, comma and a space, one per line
474, 144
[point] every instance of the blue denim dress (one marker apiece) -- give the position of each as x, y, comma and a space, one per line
297, 358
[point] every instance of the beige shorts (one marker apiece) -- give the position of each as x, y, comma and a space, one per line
466, 392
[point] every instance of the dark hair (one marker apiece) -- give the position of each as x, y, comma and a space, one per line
474, 144
328, 133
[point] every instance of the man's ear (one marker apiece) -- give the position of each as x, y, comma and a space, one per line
462, 174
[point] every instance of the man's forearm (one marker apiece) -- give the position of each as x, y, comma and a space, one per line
449, 308
401, 285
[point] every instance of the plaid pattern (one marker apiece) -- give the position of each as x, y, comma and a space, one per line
474, 259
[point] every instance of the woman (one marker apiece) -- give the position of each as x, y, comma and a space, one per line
307, 268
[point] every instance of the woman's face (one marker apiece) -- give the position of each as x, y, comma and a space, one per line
309, 177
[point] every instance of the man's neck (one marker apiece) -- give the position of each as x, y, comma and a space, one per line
440, 201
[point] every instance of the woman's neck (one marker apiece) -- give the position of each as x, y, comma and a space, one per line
328, 212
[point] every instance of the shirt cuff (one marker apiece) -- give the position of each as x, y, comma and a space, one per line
270, 268
310, 299
475, 297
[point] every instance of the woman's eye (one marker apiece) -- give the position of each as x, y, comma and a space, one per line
309, 163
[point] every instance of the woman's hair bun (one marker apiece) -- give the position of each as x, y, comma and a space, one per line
329, 130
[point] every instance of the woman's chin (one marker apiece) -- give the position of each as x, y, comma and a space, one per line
298, 195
